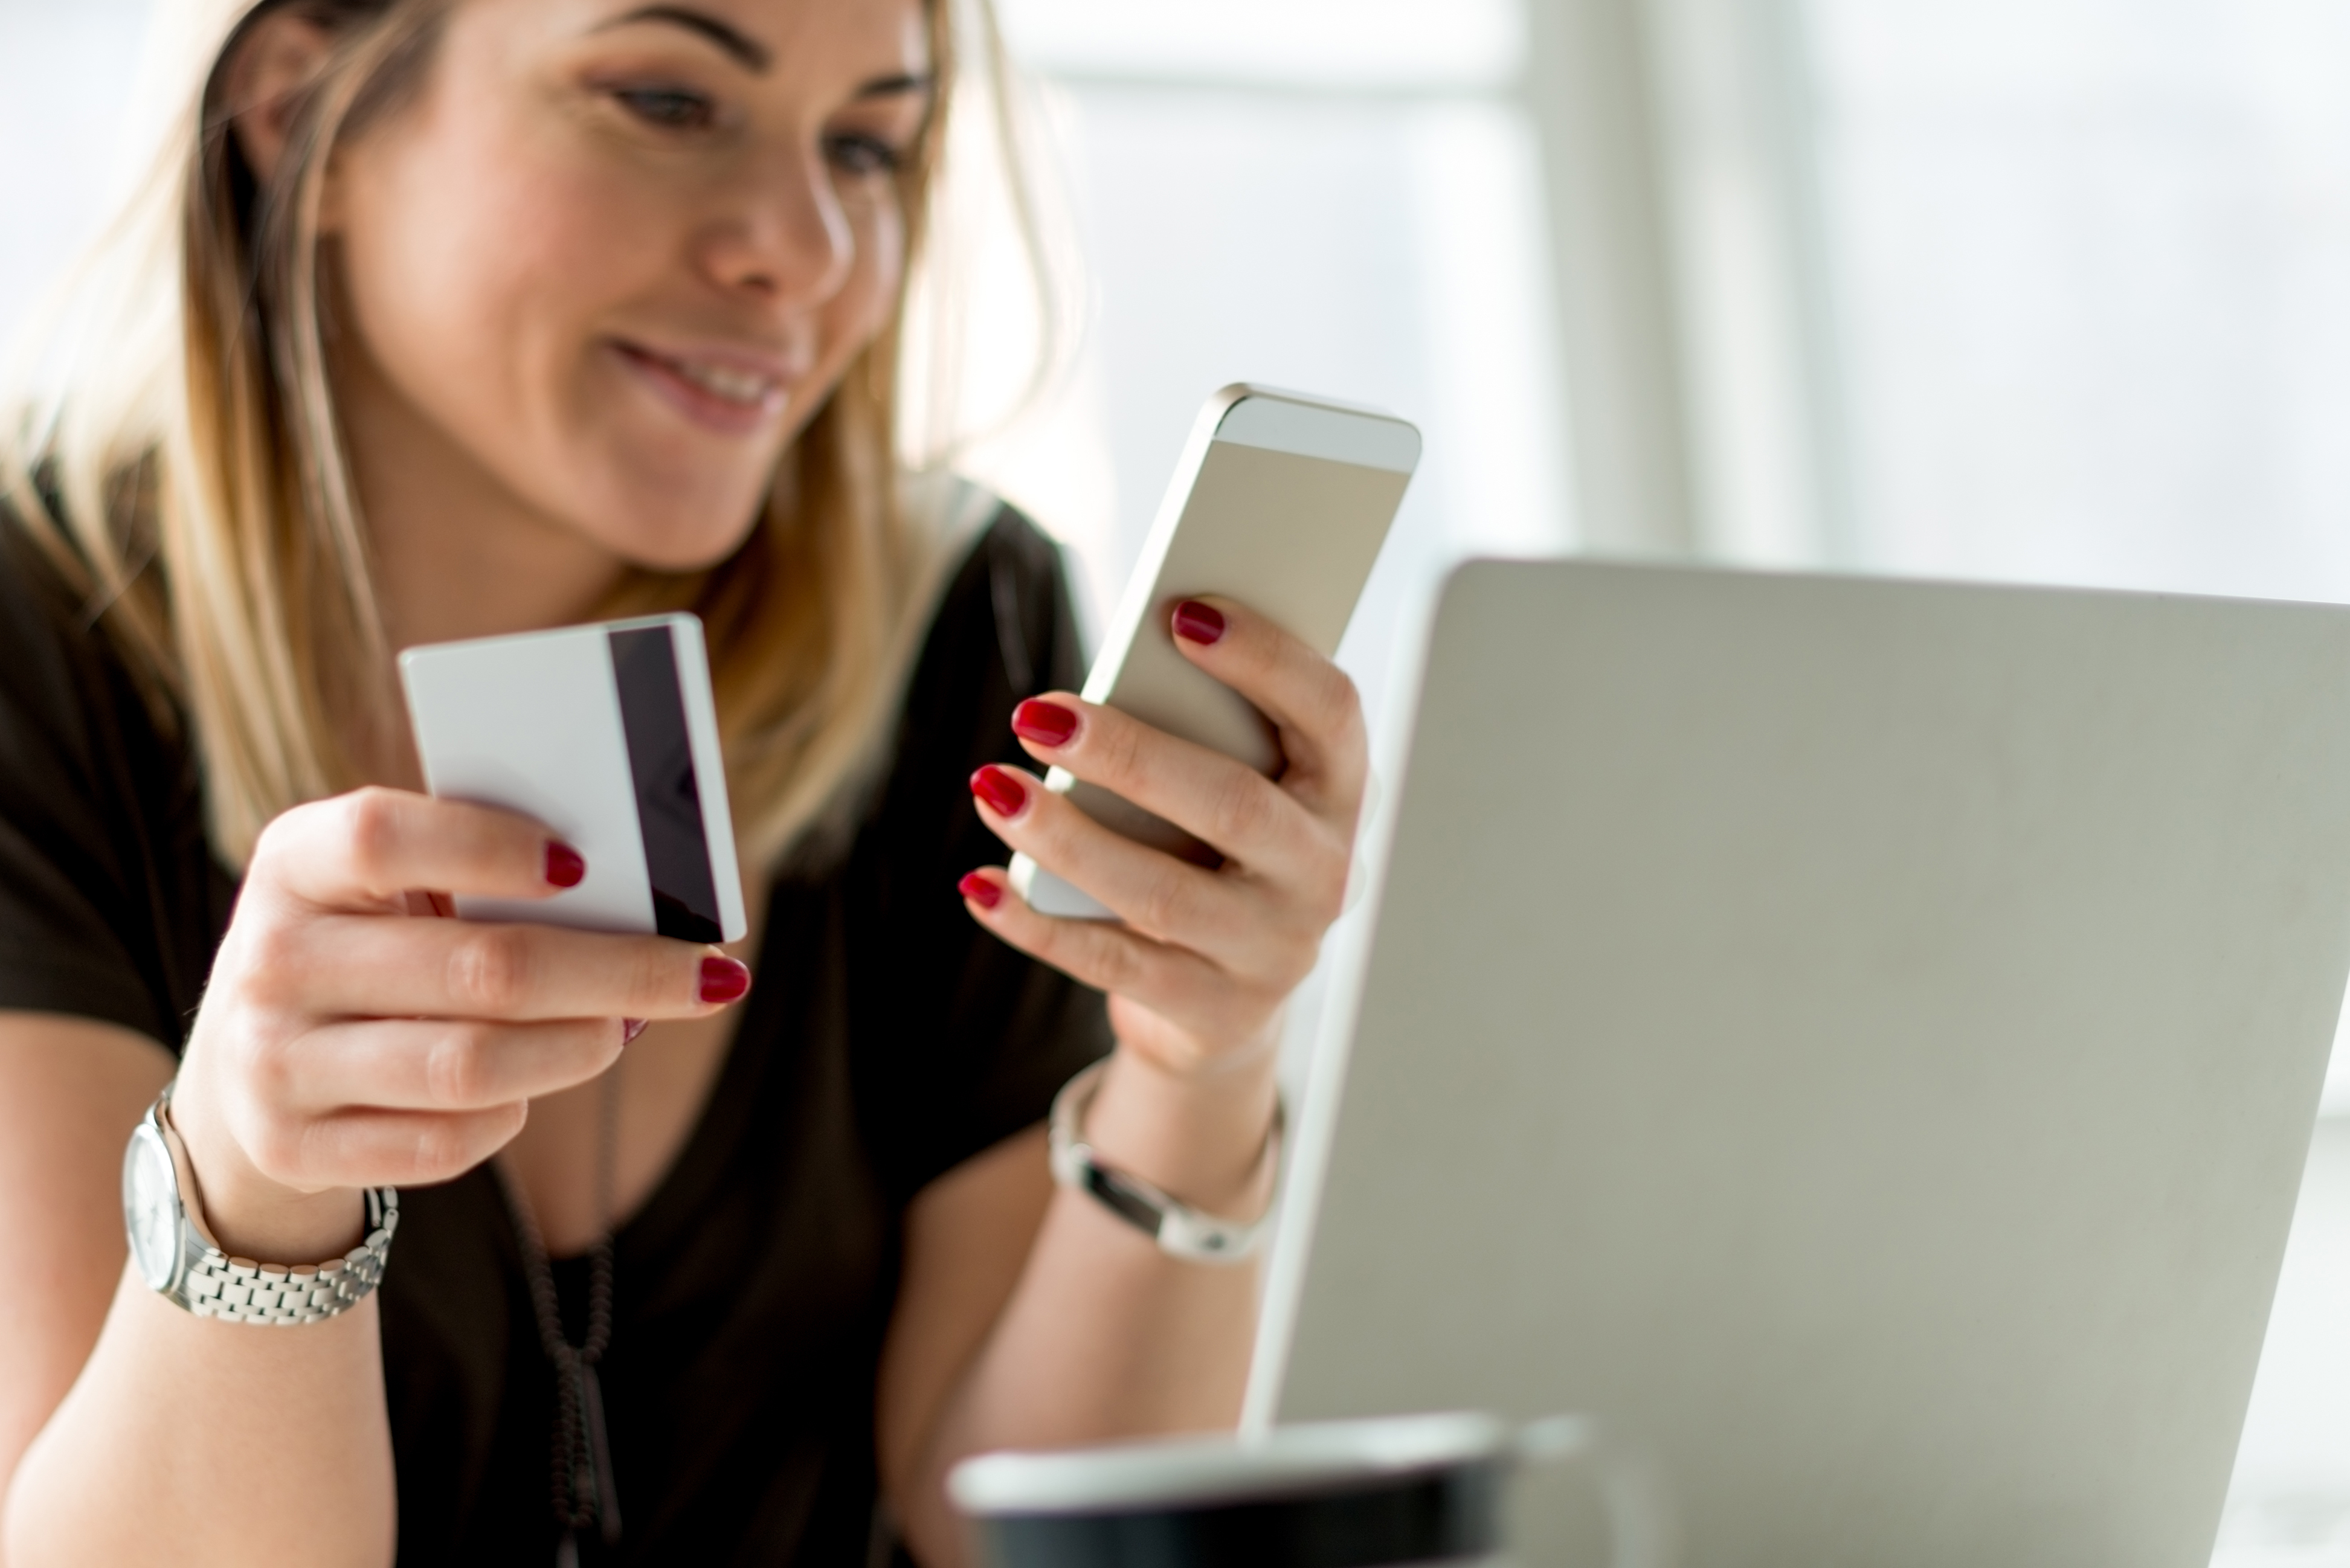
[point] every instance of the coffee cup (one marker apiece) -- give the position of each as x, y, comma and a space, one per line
1334, 1494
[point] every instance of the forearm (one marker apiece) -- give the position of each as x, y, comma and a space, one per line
1105, 1335
1106, 1338
197, 1441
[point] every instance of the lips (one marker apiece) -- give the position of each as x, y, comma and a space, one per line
730, 393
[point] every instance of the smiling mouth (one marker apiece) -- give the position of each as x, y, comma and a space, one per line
747, 390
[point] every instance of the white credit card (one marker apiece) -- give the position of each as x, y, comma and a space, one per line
608, 734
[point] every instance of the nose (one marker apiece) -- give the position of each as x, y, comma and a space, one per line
781, 237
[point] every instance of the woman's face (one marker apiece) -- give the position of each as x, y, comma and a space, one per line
611, 256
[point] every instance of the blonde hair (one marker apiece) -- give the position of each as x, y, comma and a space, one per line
182, 464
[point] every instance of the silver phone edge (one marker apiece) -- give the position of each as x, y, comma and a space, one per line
1028, 879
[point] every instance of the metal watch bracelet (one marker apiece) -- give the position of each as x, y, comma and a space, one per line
237, 1290
175, 1253
1180, 1231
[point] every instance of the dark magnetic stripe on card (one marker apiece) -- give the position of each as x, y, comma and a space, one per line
668, 794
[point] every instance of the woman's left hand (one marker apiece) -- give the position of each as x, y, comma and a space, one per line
1068, 1323
1200, 969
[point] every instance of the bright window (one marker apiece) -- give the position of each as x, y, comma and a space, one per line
67, 72
1329, 195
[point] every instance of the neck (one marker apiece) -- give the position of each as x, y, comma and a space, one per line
456, 553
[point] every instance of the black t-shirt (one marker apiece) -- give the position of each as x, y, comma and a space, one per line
889, 1038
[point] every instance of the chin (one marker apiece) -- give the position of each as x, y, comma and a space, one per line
686, 548
662, 533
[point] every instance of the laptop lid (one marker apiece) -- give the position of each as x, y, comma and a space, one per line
1858, 1039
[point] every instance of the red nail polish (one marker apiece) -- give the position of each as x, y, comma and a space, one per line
1046, 724
1002, 792
631, 1028
565, 868
1196, 622
723, 981
980, 891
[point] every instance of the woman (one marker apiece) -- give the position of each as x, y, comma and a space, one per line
495, 315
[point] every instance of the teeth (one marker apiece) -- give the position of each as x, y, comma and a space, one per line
734, 386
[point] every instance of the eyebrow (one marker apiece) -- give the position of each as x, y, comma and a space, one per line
738, 45
889, 87
747, 51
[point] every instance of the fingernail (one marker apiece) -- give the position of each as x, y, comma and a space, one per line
723, 981
632, 1027
1196, 622
565, 868
1002, 792
980, 891
1046, 724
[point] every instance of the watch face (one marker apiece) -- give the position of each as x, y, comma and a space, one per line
150, 1207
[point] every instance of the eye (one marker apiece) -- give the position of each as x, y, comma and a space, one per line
670, 109
858, 154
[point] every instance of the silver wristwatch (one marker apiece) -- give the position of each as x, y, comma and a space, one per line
1180, 1231
174, 1253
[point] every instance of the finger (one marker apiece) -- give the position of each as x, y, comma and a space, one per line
1224, 803
1222, 918
1309, 700
366, 848
1163, 898
442, 1064
1180, 986
370, 967
399, 1148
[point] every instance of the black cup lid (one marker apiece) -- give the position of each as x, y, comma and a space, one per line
1344, 1495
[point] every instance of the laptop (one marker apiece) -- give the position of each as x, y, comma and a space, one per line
1856, 1040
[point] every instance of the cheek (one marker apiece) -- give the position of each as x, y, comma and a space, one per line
856, 315
881, 255
475, 258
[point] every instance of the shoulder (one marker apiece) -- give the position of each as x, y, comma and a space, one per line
1003, 629
975, 1051
71, 695
54, 662
1000, 629
108, 895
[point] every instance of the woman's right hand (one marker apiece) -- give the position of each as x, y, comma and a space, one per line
344, 1042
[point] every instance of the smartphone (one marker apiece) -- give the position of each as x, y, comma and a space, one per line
608, 734
1281, 500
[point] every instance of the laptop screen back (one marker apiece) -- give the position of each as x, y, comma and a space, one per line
1859, 1040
